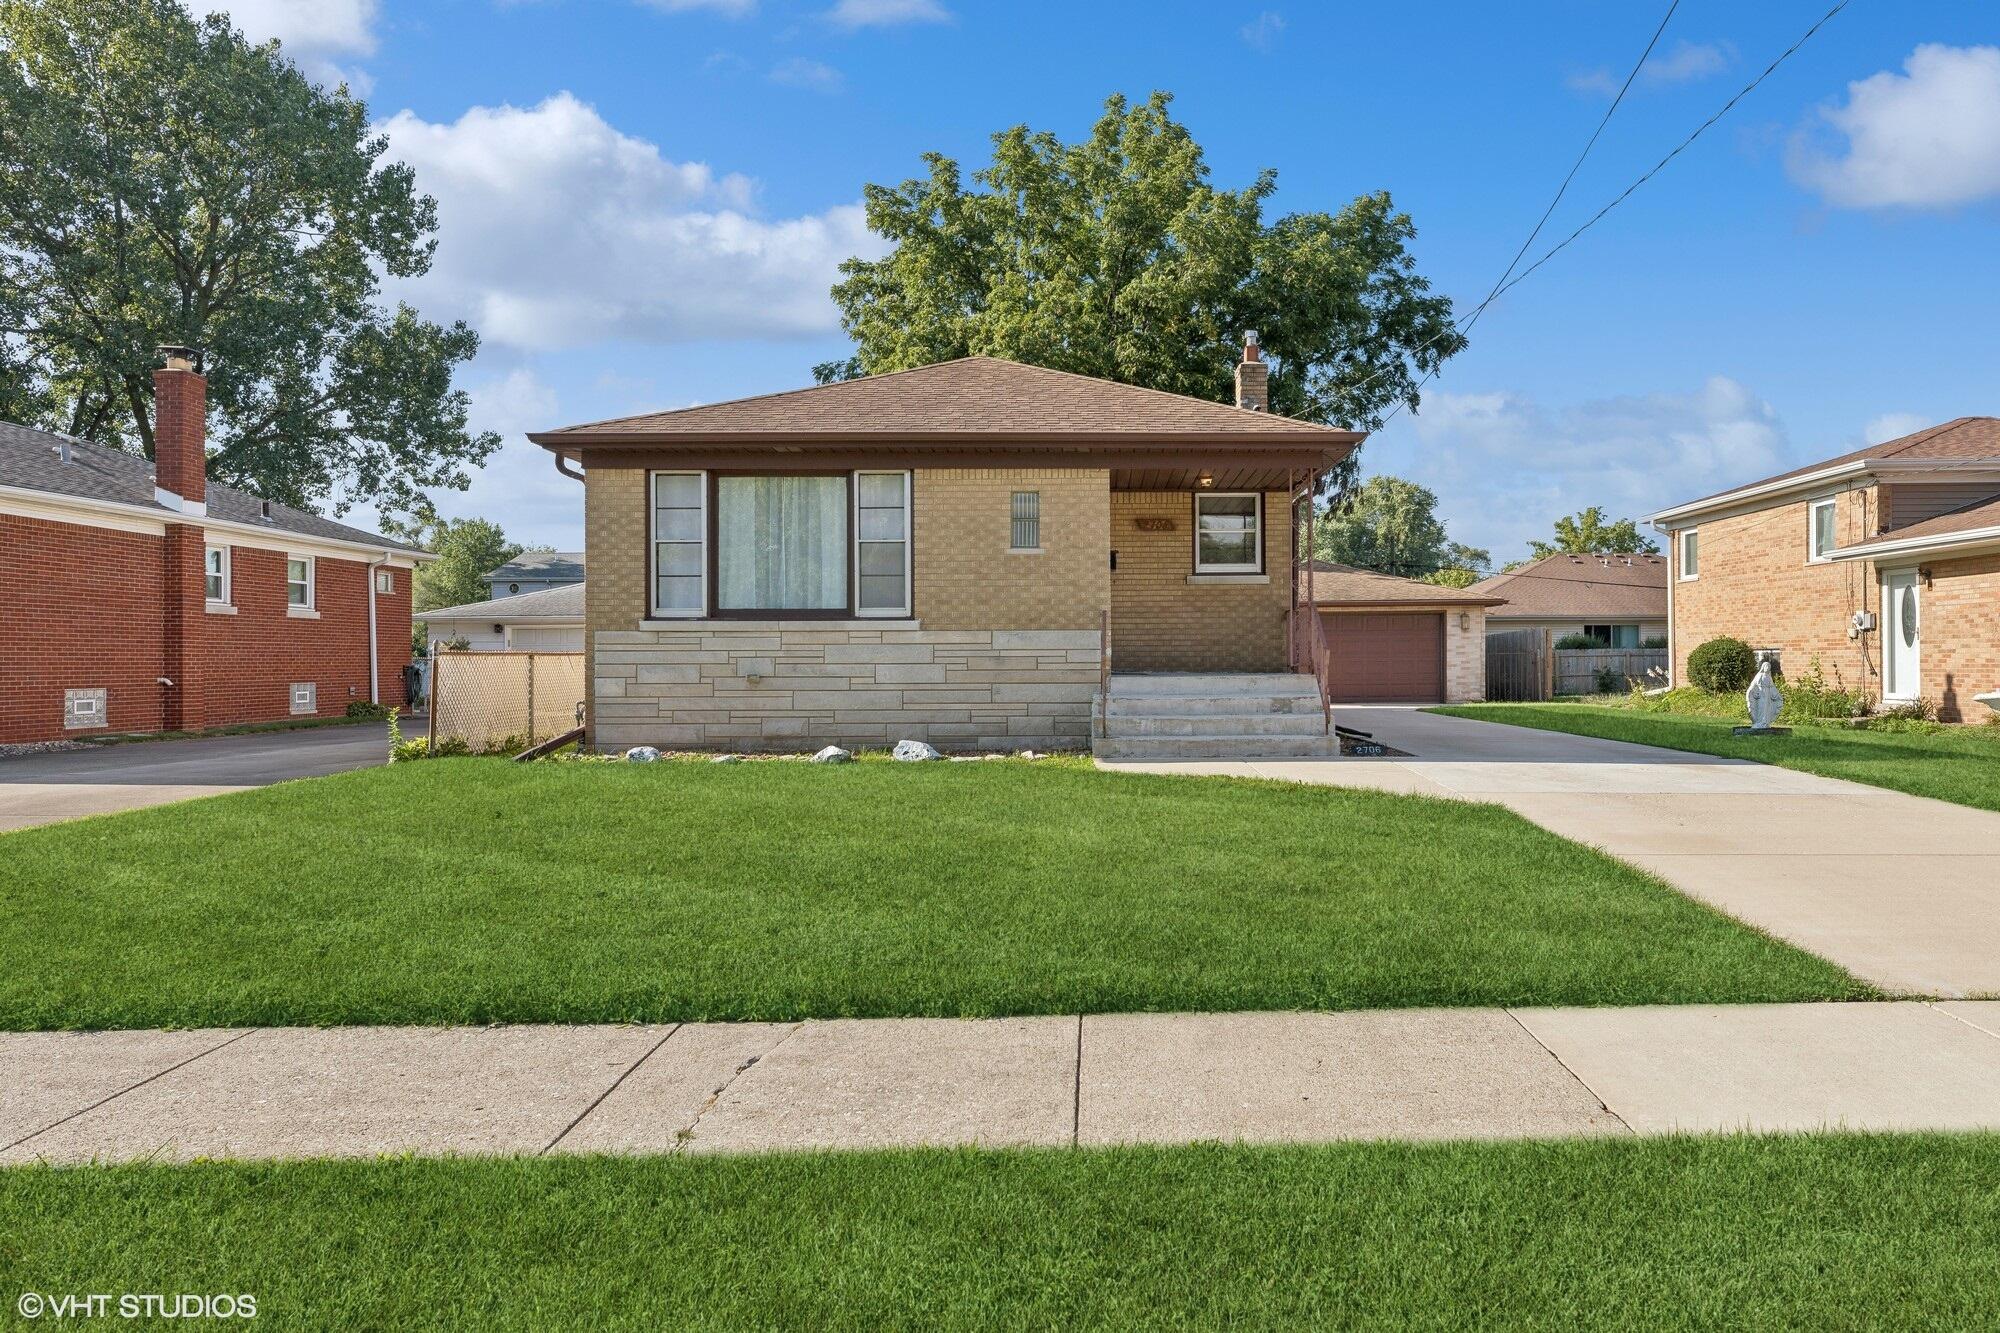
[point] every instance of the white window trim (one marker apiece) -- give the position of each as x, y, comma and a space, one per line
1257, 566
1813, 556
654, 610
308, 609
1680, 555
909, 543
217, 603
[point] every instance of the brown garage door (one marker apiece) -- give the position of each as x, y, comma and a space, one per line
1380, 659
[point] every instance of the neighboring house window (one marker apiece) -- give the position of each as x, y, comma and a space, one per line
215, 570
299, 581
1027, 529
882, 543
1690, 554
680, 578
1614, 636
1821, 537
385, 580
1228, 537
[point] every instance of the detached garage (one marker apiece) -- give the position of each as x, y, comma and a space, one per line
1393, 640
549, 620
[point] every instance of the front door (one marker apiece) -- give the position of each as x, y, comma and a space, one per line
1902, 639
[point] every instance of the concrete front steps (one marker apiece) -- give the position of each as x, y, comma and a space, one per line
1257, 715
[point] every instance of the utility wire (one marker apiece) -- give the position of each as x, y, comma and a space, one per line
1507, 284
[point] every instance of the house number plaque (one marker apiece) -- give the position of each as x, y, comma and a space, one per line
1154, 524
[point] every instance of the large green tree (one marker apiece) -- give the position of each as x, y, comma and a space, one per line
1587, 533
162, 180
1116, 257
467, 549
1391, 525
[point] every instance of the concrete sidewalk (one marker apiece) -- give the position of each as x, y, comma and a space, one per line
1900, 890
1097, 1079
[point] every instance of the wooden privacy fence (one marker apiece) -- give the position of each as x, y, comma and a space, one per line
493, 700
1525, 665
1609, 670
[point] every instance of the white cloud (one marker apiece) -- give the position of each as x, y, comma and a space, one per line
799, 72
555, 229
316, 34
886, 13
1894, 426
1505, 467
1684, 62
1926, 138
729, 9
1263, 31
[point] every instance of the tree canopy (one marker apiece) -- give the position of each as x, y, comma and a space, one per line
1115, 257
1391, 525
1586, 533
467, 549
164, 181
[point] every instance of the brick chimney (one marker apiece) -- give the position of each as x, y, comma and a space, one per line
1253, 377
180, 433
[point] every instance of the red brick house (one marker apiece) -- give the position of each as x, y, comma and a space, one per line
1883, 563
138, 597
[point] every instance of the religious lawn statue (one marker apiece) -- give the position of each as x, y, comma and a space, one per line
1764, 701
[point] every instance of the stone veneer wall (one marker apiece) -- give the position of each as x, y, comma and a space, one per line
797, 685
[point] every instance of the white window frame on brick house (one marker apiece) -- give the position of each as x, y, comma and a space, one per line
1687, 543
1814, 553
1024, 523
215, 575
654, 542
1256, 565
385, 580
307, 584
902, 609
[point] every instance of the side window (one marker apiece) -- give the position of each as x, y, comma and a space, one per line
1691, 554
1026, 532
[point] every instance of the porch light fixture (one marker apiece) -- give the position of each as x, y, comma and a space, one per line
1207, 480
1465, 620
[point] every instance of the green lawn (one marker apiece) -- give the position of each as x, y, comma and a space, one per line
1838, 1232
1960, 764
475, 891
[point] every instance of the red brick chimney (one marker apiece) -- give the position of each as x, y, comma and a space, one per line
180, 431
1253, 377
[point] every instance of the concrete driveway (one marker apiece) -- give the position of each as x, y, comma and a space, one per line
1900, 890
66, 784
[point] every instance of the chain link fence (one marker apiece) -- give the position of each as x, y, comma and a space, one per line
503, 701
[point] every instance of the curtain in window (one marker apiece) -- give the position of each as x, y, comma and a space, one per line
781, 543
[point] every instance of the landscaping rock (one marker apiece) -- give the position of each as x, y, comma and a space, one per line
1030, 754
915, 751
727, 759
642, 754
833, 754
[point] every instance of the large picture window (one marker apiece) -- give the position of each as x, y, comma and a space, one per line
680, 575
882, 543
1228, 538
781, 544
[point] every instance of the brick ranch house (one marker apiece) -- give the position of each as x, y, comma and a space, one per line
1883, 563
961, 553
138, 597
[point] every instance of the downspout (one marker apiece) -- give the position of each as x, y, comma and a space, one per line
374, 654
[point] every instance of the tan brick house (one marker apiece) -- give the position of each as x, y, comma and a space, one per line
1883, 563
960, 553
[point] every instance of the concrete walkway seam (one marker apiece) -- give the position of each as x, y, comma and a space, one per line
102, 1101
1582, 1082
616, 1083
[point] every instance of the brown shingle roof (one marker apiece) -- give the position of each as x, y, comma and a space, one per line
1980, 515
968, 401
1622, 587
1966, 439
1345, 585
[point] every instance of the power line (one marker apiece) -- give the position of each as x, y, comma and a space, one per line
1507, 284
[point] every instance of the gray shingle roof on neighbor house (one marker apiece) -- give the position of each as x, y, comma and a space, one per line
564, 604
33, 460
1587, 587
1345, 585
539, 565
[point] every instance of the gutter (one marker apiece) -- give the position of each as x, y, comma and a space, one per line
374, 653
270, 536
1935, 543
1943, 469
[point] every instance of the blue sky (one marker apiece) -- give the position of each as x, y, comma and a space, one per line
642, 204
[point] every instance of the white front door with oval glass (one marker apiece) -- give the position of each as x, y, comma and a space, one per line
1902, 635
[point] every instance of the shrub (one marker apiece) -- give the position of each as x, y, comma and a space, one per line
1609, 681
1809, 698
1916, 710
1583, 641
402, 752
1654, 641
363, 708
1722, 666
